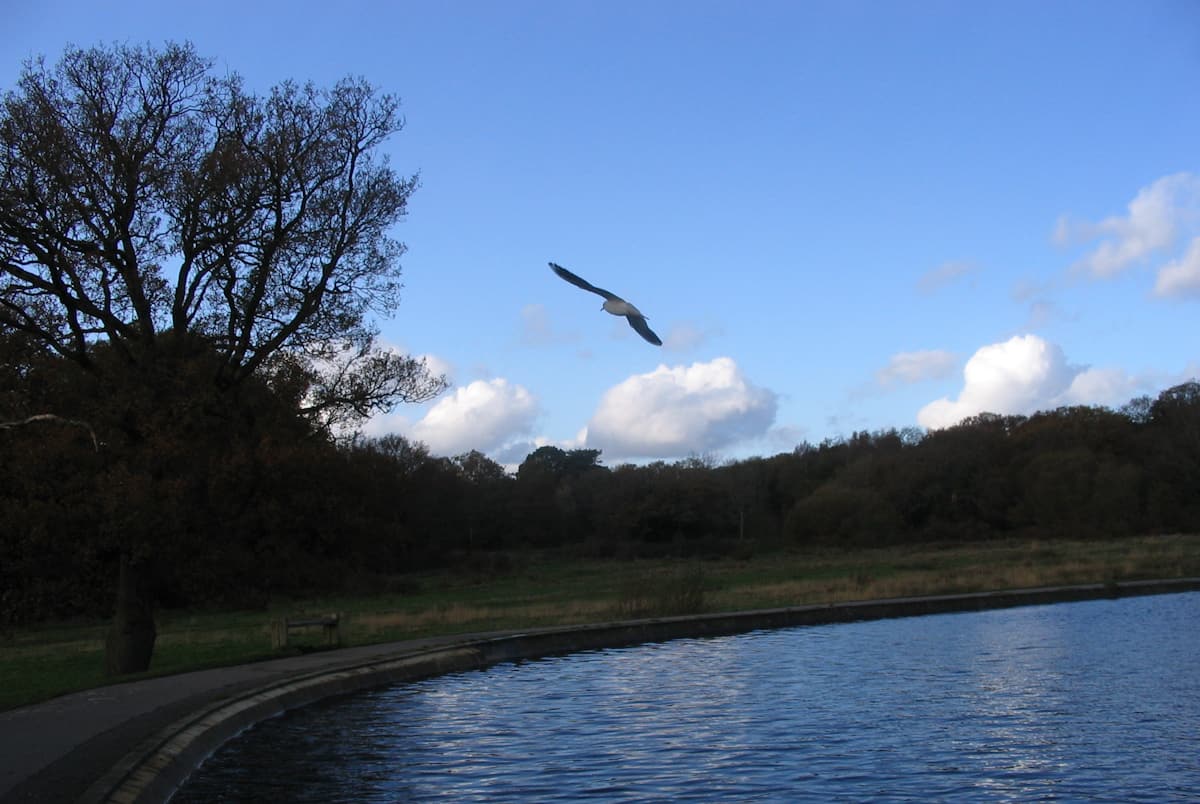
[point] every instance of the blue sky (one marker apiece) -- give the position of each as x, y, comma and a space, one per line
838, 216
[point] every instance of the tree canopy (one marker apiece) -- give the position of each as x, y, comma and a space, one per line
150, 204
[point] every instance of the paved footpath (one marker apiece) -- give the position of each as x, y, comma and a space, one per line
53, 751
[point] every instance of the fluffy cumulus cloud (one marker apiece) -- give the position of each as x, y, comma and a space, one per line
905, 368
1023, 375
1101, 386
1155, 220
483, 415
673, 412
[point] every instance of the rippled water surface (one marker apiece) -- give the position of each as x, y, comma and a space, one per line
1095, 701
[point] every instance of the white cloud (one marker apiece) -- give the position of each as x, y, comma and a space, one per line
537, 328
1153, 223
437, 366
945, 274
905, 368
1026, 374
781, 438
1021, 375
1041, 313
1106, 386
684, 336
483, 415
396, 421
535, 325
673, 412
1182, 276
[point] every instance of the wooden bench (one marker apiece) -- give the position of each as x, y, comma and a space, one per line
330, 625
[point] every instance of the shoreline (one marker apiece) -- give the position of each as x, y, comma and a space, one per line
137, 742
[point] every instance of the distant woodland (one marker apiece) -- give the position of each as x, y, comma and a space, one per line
248, 498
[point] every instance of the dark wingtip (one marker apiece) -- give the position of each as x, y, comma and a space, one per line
642, 328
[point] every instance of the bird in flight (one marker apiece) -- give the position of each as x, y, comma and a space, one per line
612, 304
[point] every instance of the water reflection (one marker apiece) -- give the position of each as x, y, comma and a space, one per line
1097, 701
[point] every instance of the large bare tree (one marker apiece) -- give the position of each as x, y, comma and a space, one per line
161, 211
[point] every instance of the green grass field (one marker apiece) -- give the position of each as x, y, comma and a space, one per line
543, 589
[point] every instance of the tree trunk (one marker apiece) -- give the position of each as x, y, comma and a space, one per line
130, 642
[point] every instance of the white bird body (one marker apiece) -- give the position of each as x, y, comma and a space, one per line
620, 307
612, 304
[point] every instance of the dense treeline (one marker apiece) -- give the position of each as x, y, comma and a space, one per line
250, 499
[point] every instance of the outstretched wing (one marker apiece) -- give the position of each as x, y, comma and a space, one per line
580, 282
639, 324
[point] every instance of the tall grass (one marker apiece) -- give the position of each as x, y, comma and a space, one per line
547, 589
663, 592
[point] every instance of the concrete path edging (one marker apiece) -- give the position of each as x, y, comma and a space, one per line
156, 766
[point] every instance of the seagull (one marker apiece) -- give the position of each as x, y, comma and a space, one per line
612, 304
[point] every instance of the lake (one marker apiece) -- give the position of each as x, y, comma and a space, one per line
1095, 701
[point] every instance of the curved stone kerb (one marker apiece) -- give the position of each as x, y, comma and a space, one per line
153, 771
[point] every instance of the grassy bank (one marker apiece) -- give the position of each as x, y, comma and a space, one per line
529, 590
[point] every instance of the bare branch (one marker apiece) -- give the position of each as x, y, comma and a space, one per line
145, 202
51, 417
